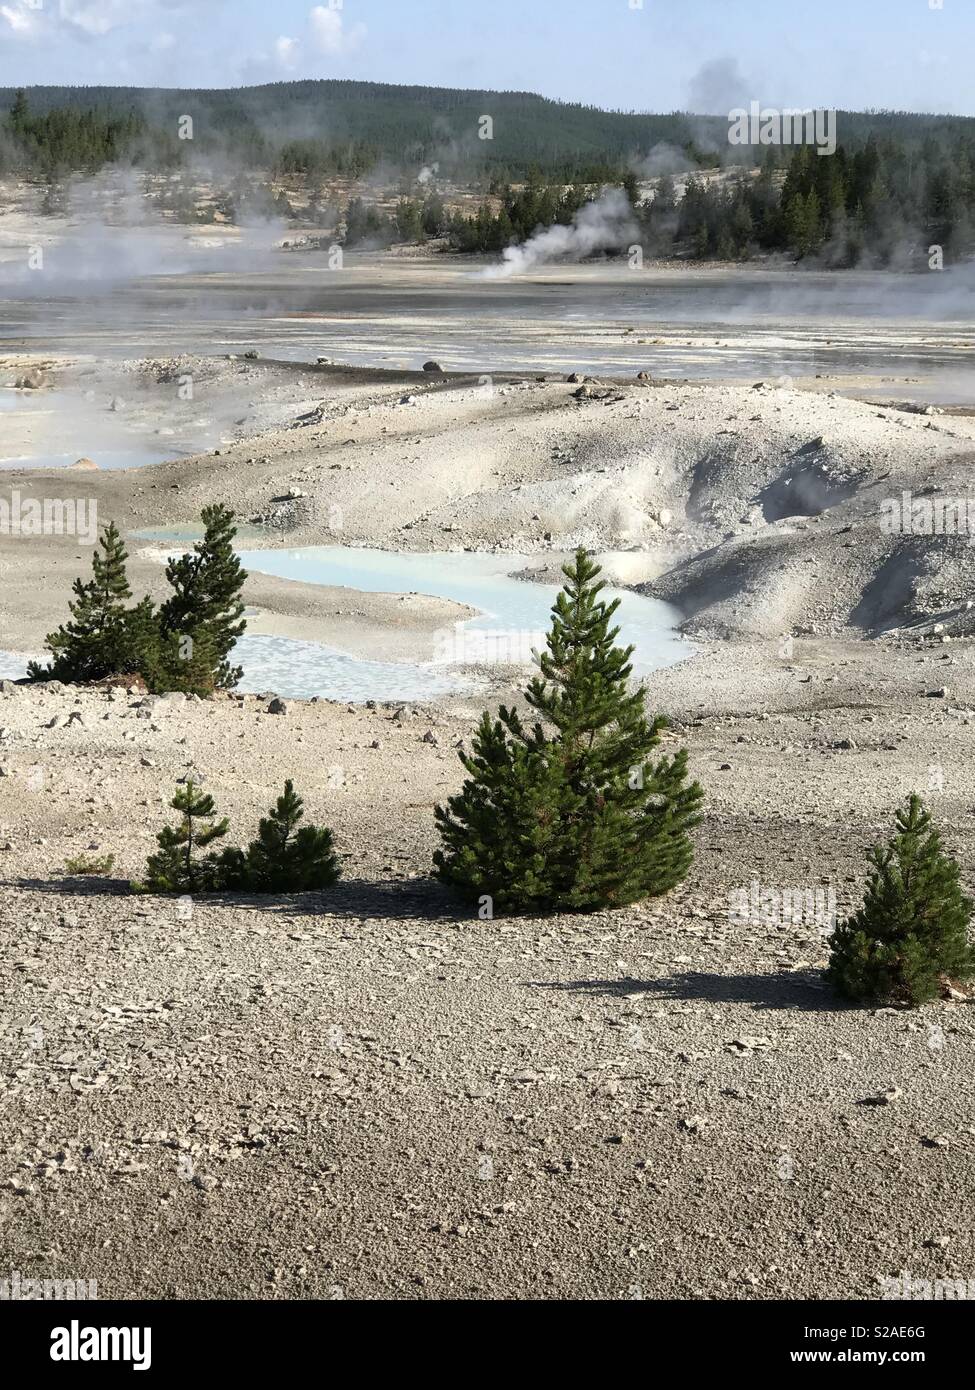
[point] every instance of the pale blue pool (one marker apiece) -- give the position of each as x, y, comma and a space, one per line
512, 617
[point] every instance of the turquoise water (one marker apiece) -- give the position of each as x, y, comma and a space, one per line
512, 617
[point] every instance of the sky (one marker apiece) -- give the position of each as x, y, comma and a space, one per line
634, 55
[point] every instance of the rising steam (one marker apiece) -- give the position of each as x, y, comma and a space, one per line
604, 225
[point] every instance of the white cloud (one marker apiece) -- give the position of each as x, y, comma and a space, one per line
325, 35
20, 17
328, 32
89, 19
286, 51
97, 17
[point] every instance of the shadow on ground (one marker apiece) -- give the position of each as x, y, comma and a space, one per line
398, 899
800, 990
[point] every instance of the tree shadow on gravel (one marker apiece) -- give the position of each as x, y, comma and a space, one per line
398, 899
801, 990
85, 886
395, 898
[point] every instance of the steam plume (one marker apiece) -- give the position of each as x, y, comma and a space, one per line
603, 225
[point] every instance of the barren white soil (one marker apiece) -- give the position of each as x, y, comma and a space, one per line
372, 1093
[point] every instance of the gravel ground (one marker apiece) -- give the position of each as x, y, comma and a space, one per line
369, 1094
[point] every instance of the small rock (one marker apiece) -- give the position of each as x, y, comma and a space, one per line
749, 1043
30, 381
887, 1097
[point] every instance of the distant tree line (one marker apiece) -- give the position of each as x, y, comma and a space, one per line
885, 203
900, 183
64, 140
364, 124
520, 214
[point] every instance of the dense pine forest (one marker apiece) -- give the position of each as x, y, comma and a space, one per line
885, 204
320, 128
897, 184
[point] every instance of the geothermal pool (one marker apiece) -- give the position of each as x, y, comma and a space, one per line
512, 616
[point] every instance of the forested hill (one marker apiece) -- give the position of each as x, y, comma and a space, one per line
350, 127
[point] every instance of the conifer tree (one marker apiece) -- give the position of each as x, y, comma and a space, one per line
176, 866
286, 857
911, 933
582, 817
184, 662
205, 605
19, 111
102, 638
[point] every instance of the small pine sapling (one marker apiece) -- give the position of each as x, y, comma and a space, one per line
176, 866
911, 935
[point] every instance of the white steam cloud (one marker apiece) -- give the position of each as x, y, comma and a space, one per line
603, 225
328, 32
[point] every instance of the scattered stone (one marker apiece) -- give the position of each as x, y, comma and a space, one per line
887, 1097
750, 1043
